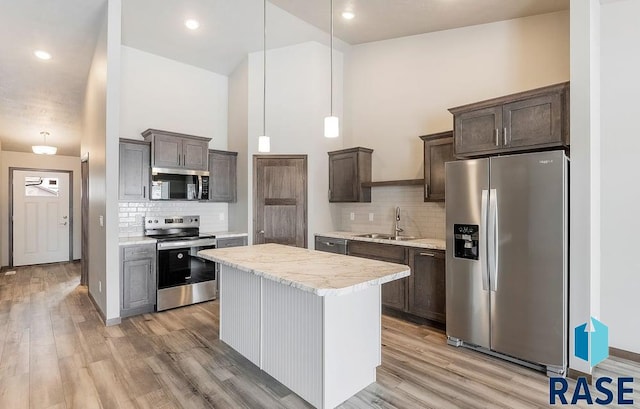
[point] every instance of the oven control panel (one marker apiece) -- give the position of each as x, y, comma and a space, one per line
171, 222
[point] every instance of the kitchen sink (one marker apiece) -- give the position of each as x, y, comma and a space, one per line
376, 236
386, 236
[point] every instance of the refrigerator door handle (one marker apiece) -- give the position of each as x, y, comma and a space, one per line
493, 240
483, 242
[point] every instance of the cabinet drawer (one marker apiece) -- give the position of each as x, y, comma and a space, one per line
377, 251
231, 242
139, 252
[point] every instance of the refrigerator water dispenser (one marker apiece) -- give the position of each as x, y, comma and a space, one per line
465, 241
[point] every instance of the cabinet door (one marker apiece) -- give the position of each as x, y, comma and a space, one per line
167, 151
222, 177
138, 284
427, 284
394, 293
343, 177
195, 154
436, 153
533, 121
134, 171
478, 131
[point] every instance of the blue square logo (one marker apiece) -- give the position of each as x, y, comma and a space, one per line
592, 342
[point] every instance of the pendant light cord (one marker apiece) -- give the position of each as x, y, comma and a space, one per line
264, 69
331, 61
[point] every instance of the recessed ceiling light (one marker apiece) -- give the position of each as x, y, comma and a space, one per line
43, 55
192, 24
348, 15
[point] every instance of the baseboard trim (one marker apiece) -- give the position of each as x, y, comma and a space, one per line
105, 321
575, 374
621, 353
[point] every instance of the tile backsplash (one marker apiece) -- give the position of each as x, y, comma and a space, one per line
213, 216
417, 218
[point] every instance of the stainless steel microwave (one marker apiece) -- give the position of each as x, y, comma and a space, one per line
173, 186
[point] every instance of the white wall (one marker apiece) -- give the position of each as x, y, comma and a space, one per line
297, 102
396, 90
100, 141
165, 94
10, 159
238, 134
620, 144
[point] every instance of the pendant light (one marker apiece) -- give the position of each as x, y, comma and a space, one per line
264, 142
44, 149
331, 123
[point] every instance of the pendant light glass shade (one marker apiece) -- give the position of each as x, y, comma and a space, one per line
331, 127
264, 144
44, 149
331, 123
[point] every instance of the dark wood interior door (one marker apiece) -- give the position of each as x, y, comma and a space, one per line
280, 199
84, 208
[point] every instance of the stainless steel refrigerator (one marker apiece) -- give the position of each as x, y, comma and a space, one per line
507, 257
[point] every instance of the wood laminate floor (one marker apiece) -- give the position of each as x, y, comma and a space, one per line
56, 353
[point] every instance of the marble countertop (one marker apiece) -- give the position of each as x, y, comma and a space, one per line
313, 271
226, 234
136, 240
425, 243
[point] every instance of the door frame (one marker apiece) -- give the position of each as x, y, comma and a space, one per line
304, 157
84, 215
11, 170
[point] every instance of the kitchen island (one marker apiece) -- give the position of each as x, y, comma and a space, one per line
309, 319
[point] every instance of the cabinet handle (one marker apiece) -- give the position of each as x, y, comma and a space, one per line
328, 243
427, 254
179, 157
497, 137
504, 136
426, 190
144, 192
184, 159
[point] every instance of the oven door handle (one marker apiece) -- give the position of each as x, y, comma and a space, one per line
186, 243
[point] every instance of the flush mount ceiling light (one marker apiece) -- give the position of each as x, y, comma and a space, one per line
348, 15
43, 55
44, 149
264, 142
331, 123
192, 24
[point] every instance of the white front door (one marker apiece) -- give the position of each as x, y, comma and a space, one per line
41, 218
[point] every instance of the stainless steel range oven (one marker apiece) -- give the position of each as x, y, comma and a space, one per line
183, 277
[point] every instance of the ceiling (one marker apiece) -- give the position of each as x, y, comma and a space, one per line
48, 95
38, 95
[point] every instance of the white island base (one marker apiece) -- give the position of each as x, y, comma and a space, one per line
324, 348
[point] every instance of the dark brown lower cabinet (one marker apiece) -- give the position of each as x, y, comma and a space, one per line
422, 294
394, 294
427, 284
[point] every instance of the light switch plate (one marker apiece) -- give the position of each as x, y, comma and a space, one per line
352, 216
101, 221
370, 217
221, 217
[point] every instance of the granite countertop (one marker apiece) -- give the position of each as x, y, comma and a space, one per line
313, 271
136, 240
226, 234
425, 243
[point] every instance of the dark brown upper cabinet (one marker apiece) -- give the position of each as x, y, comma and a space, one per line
348, 169
532, 120
438, 149
222, 176
176, 151
134, 170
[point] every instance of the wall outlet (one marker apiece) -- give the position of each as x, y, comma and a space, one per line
101, 220
352, 216
370, 217
221, 216
100, 283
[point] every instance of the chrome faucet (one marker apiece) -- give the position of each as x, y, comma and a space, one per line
398, 230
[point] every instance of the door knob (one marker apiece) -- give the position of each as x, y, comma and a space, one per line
63, 224
261, 232
64, 217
